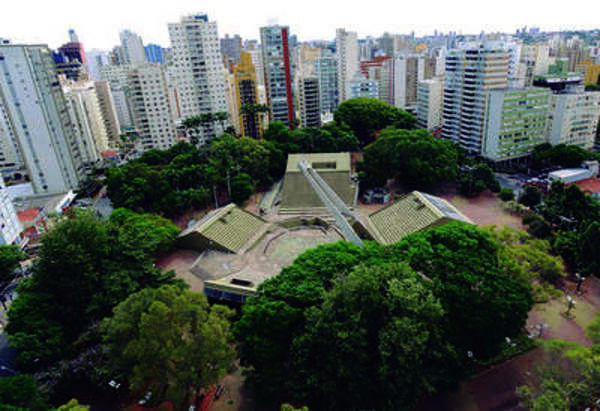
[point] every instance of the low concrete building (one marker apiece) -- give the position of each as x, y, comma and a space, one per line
413, 213
334, 168
227, 229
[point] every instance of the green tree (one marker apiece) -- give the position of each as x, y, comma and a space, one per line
366, 116
560, 155
526, 256
241, 188
169, 340
530, 196
484, 300
415, 156
20, 392
376, 341
73, 405
589, 250
10, 257
568, 377
86, 266
566, 244
507, 194
476, 179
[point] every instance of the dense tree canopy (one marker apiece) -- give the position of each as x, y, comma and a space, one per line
526, 257
530, 196
560, 155
568, 377
464, 286
476, 179
366, 116
169, 341
506, 194
576, 218
484, 300
10, 256
20, 393
241, 188
419, 159
184, 176
86, 266
376, 342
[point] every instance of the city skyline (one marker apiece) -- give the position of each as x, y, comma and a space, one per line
99, 28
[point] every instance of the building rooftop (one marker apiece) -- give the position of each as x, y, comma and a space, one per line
589, 185
321, 162
569, 173
333, 168
415, 212
28, 215
226, 229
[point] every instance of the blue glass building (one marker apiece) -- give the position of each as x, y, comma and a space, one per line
155, 53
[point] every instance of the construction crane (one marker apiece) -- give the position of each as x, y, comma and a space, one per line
332, 201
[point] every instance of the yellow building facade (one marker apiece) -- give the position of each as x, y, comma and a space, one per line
591, 71
250, 116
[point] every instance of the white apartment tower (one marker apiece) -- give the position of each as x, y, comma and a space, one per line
196, 69
346, 43
86, 117
38, 122
471, 72
10, 227
408, 71
117, 78
148, 97
109, 112
132, 48
429, 103
574, 117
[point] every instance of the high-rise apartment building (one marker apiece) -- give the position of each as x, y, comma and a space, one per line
471, 72
590, 71
246, 88
148, 97
309, 101
109, 112
574, 112
154, 54
95, 59
573, 115
231, 47
278, 73
408, 70
380, 69
257, 62
327, 75
515, 122
196, 70
86, 117
429, 103
37, 120
362, 87
346, 45
117, 78
132, 48
535, 58
10, 227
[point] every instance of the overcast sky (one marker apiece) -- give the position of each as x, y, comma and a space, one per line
98, 22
